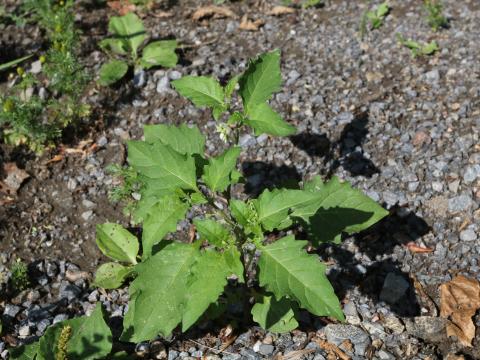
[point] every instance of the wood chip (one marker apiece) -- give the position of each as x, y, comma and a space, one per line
212, 11
459, 301
414, 248
281, 10
121, 7
425, 300
296, 354
249, 25
10, 185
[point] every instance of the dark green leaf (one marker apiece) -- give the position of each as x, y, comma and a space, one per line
112, 71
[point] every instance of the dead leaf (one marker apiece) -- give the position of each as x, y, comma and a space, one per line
281, 10
459, 301
425, 300
332, 349
216, 12
414, 248
453, 356
249, 25
55, 159
10, 185
121, 7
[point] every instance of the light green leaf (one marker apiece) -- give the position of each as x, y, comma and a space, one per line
201, 90
128, 28
217, 173
117, 243
218, 110
287, 270
91, 338
264, 120
112, 71
161, 219
336, 207
261, 79
240, 211
275, 315
183, 139
111, 275
274, 207
24, 352
231, 85
118, 46
233, 259
158, 161
157, 295
430, 48
382, 10
213, 231
209, 277
160, 53
235, 118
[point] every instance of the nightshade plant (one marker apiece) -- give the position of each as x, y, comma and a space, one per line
416, 48
128, 35
176, 282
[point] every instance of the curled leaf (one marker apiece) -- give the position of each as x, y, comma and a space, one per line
216, 12
249, 25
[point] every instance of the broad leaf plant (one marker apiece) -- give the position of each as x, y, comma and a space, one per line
174, 283
123, 47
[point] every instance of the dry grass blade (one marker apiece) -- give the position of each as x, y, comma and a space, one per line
459, 301
249, 25
212, 11
296, 355
281, 10
414, 248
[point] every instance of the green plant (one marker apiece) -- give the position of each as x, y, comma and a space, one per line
85, 338
176, 282
35, 119
128, 35
417, 48
305, 3
14, 63
435, 17
20, 280
374, 18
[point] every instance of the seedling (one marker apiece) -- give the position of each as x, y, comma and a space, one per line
374, 18
128, 36
435, 17
417, 48
19, 279
176, 282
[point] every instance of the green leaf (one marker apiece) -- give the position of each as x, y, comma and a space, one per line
233, 259
161, 219
13, 63
111, 275
117, 243
183, 139
128, 28
287, 270
264, 120
274, 207
157, 294
209, 277
121, 356
261, 79
118, 46
112, 71
213, 231
24, 352
158, 161
91, 338
201, 90
231, 85
218, 110
240, 211
275, 315
382, 10
430, 48
160, 53
336, 207
217, 173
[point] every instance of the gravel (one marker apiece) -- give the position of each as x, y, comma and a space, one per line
405, 131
